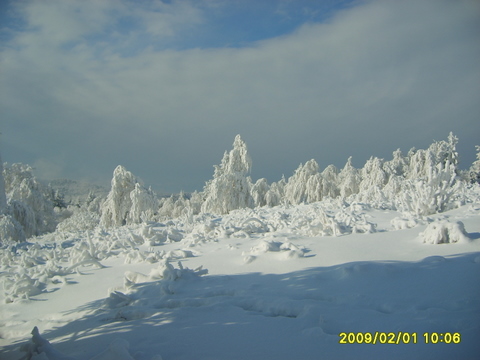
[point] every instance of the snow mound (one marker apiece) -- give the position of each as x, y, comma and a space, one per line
445, 232
404, 222
287, 249
165, 271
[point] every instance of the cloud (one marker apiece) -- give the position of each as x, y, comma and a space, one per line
376, 76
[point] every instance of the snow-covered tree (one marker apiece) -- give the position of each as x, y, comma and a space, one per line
445, 152
305, 185
276, 193
195, 203
144, 205
374, 179
3, 196
175, 206
416, 164
431, 185
314, 188
330, 182
29, 201
259, 191
128, 201
373, 174
397, 166
349, 180
10, 228
166, 209
440, 156
117, 205
474, 172
230, 187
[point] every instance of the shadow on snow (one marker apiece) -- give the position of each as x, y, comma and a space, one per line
284, 316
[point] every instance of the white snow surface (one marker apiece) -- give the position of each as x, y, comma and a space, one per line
265, 283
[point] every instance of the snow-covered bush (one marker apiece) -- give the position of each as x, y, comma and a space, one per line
180, 205
127, 202
444, 232
421, 197
81, 219
287, 250
404, 222
230, 187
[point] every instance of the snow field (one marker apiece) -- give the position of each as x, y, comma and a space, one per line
276, 283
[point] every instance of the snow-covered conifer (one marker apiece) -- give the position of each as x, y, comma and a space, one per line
144, 205
373, 174
397, 166
166, 207
419, 163
10, 229
393, 187
176, 206
259, 191
275, 193
330, 182
127, 200
29, 201
314, 188
474, 172
374, 179
349, 180
431, 182
195, 203
305, 185
230, 187
3, 197
440, 156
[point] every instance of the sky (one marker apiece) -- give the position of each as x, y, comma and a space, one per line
163, 87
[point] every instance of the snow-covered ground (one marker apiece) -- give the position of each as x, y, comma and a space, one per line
269, 283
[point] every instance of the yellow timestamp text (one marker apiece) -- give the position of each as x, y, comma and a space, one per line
399, 337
